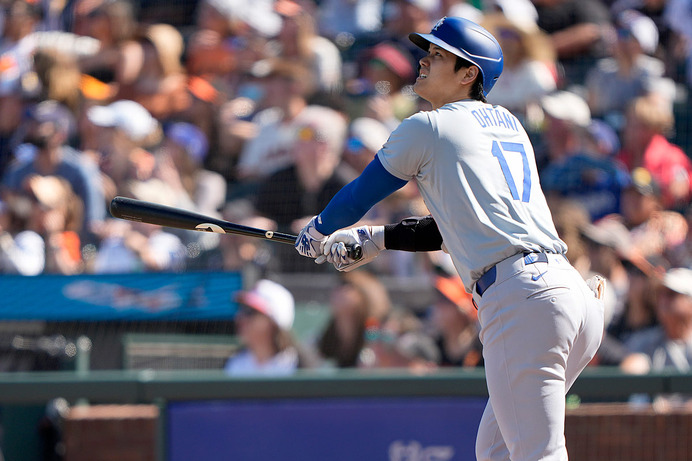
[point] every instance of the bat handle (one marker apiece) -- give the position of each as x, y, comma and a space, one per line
355, 251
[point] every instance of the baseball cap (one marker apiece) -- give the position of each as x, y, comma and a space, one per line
369, 133
50, 111
324, 124
644, 182
611, 233
452, 289
272, 300
190, 138
679, 280
567, 106
258, 14
641, 27
521, 12
129, 116
395, 59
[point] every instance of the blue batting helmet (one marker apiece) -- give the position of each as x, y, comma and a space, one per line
469, 41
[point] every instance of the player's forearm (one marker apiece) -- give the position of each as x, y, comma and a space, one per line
356, 198
413, 234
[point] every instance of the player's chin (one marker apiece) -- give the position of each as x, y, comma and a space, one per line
419, 86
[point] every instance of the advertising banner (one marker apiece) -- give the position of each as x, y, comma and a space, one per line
348, 429
150, 296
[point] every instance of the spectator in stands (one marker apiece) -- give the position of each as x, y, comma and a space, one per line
387, 69
638, 311
577, 29
114, 24
299, 40
180, 164
125, 130
402, 17
648, 120
127, 247
251, 256
346, 22
655, 231
529, 64
22, 250
630, 72
366, 137
59, 77
609, 248
21, 19
570, 217
287, 86
150, 71
263, 323
230, 37
681, 255
628, 303
360, 302
667, 346
56, 215
574, 170
292, 195
454, 321
47, 131
677, 16
13, 104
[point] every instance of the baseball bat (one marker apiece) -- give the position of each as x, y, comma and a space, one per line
162, 215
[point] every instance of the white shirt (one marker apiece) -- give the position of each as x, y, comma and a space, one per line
245, 364
527, 83
476, 170
270, 150
23, 255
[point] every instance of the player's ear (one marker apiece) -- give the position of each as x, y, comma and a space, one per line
468, 75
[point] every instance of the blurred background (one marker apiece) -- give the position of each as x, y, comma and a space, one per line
122, 340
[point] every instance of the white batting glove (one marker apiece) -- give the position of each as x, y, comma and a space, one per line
310, 241
370, 238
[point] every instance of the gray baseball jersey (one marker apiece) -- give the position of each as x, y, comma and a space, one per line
476, 170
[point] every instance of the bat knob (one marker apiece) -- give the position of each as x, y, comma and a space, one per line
355, 252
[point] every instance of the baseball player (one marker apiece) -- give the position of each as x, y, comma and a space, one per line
475, 168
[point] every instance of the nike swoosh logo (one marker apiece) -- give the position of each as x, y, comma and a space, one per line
536, 277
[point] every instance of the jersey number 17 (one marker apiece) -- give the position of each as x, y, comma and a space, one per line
499, 150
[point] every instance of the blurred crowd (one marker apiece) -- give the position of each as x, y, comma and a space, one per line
258, 111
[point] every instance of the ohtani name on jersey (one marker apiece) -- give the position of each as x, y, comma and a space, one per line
493, 117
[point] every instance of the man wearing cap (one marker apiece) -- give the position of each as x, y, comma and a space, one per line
47, 131
573, 169
475, 168
308, 184
264, 320
667, 346
126, 130
629, 72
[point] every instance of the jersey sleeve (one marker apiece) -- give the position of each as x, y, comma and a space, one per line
409, 147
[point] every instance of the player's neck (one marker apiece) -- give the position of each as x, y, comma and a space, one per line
461, 95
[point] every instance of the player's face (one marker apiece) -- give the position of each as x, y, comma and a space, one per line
437, 81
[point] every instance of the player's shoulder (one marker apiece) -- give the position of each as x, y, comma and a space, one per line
419, 123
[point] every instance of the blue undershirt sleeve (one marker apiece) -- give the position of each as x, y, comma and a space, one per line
357, 197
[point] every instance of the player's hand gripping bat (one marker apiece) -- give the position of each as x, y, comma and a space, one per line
154, 213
